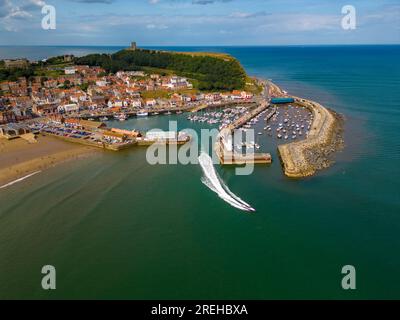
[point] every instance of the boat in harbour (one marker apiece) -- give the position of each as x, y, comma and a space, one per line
142, 114
120, 117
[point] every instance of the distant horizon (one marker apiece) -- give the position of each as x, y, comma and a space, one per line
208, 45
40, 52
200, 22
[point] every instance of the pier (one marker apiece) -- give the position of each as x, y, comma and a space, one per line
248, 116
270, 115
295, 156
234, 158
224, 148
198, 108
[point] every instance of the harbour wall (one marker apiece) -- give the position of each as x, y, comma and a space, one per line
303, 158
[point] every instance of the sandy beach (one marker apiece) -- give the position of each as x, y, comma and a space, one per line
19, 158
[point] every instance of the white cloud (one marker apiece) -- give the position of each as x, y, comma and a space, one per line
11, 12
155, 26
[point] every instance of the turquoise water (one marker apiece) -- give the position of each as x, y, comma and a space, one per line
116, 227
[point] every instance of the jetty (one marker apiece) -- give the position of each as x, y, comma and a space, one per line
224, 145
297, 157
199, 108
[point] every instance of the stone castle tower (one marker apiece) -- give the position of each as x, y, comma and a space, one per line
133, 46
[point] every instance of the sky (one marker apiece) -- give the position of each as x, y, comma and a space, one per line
199, 22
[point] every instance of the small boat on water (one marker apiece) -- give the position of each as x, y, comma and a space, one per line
104, 119
155, 113
120, 117
179, 112
142, 114
168, 113
91, 119
260, 133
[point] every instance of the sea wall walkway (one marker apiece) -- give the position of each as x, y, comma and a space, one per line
294, 156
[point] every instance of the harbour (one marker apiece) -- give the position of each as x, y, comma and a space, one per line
157, 226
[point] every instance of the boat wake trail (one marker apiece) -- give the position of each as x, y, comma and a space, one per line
215, 183
18, 180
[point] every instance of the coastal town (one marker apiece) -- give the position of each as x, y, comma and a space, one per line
84, 97
75, 103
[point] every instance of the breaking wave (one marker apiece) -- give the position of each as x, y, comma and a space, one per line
215, 183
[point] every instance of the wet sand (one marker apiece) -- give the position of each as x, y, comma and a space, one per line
19, 158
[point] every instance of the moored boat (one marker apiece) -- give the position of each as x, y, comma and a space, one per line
142, 114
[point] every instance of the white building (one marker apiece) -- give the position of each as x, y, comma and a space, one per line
69, 70
101, 83
73, 107
136, 103
151, 102
161, 135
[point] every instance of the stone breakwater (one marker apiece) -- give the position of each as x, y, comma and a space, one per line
304, 158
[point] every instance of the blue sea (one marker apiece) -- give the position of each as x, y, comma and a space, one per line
117, 227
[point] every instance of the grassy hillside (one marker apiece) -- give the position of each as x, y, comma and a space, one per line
210, 71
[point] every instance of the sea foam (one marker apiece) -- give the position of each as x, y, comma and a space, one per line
215, 183
19, 180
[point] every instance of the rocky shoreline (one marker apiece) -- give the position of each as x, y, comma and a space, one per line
322, 157
304, 158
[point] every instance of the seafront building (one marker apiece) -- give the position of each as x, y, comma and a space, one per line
83, 91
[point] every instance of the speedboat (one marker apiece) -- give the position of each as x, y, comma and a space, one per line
142, 114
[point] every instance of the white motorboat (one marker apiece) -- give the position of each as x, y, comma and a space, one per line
142, 114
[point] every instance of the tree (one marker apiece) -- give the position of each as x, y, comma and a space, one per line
212, 73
